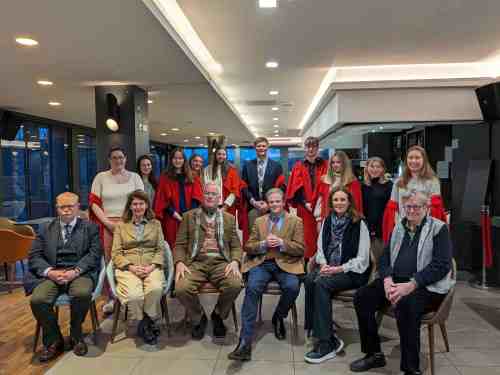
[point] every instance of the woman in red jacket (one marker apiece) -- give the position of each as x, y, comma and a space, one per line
339, 174
417, 175
178, 191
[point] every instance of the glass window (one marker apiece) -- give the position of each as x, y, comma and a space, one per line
87, 165
294, 155
274, 153
230, 155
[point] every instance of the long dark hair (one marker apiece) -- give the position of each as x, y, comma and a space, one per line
186, 171
224, 168
141, 195
151, 177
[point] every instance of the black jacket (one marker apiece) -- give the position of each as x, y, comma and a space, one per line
249, 175
84, 239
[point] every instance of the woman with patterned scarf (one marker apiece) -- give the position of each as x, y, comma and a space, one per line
342, 262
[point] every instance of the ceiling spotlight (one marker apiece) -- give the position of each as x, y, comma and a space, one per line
163, 134
186, 140
373, 130
381, 127
276, 131
268, 3
45, 82
197, 137
175, 129
276, 126
272, 64
211, 133
27, 42
276, 118
274, 92
150, 101
113, 113
54, 104
275, 108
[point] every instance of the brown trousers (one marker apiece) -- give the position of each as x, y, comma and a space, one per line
207, 269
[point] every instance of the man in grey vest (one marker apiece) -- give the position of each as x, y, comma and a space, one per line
414, 277
65, 258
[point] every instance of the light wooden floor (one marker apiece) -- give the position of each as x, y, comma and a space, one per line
17, 328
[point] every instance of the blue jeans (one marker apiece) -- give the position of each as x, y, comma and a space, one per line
258, 278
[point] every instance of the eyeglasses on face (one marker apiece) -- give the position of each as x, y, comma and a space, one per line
413, 207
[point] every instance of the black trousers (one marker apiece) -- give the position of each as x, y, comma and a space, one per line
408, 311
318, 306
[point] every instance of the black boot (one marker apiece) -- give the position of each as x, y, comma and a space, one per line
279, 328
218, 325
368, 362
198, 331
243, 352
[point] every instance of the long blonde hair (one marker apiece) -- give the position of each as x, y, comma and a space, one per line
346, 176
366, 176
427, 172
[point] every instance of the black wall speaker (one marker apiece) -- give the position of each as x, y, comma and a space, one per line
8, 126
489, 101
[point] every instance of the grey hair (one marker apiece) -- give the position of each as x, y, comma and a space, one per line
274, 191
422, 196
211, 183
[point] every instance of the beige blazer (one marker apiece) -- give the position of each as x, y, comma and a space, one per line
291, 258
127, 250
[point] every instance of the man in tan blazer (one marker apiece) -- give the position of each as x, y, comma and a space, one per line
274, 251
207, 248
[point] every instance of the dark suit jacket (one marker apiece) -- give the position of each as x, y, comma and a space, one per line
84, 239
249, 175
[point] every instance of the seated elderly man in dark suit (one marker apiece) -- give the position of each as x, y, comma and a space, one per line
414, 277
65, 258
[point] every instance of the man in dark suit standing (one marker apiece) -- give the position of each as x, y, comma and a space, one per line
65, 258
261, 175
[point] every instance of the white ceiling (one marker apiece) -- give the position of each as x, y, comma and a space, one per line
308, 37
84, 43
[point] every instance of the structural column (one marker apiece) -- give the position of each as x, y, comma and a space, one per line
133, 130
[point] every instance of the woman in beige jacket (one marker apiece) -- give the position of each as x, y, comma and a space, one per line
138, 252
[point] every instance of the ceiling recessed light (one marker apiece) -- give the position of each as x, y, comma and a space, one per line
276, 131
175, 129
274, 92
276, 126
211, 133
44, 82
150, 101
163, 134
381, 127
272, 64
268, 3
276, 118
186, 140
28, 42
275, 108
55, 104
373, 130
197, 137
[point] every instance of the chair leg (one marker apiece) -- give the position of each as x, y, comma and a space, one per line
7, 283
22, 267
164, 309
235, 319
445, 336
116, 316
295, 324
126, 313
431, 347
95, 321
37, 336
260, 309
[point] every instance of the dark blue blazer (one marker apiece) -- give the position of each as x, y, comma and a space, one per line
249, 175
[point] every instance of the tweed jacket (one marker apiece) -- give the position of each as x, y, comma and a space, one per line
185, 248
290, 258
129, 250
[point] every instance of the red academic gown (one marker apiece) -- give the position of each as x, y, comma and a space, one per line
231, 185
354, 188
299, 178
167, 195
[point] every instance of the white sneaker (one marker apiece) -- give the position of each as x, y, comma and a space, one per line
108, 307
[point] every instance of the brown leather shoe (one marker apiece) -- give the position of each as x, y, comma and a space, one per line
52, 351
79, 347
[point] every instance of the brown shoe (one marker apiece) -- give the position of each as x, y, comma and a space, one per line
79, 347
52, 351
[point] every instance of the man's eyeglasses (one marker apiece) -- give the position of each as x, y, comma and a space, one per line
413, 207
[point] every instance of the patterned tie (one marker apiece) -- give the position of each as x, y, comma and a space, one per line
67, 232
260, 175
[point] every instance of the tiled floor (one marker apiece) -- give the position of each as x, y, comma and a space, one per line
474, 333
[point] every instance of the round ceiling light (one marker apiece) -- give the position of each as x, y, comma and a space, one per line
27, 42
